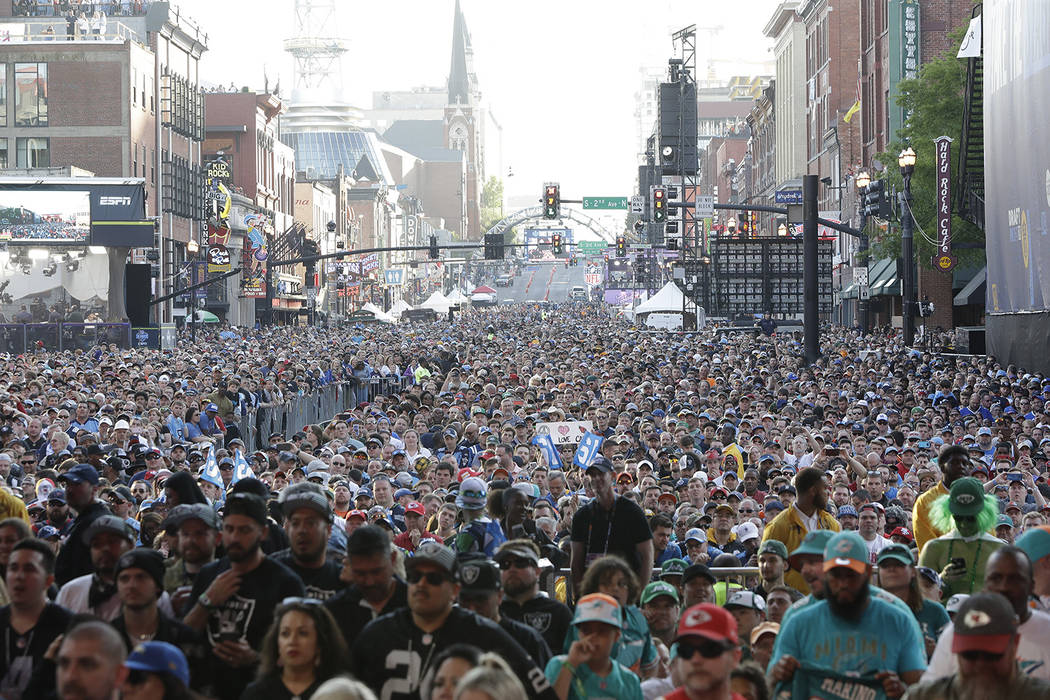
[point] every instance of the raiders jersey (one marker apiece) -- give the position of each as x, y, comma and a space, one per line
392, 655
549, 617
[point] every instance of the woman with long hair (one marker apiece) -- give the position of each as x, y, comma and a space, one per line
491, 679
450, 665
302, 650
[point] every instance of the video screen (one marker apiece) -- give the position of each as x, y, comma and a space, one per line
45, 216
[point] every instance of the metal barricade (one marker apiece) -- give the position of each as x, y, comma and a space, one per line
550, 579
13, 338
43, 336
56, 337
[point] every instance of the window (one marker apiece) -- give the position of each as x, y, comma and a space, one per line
3, 97
134, 86
33, 152
3, 153
30, 94
135, 160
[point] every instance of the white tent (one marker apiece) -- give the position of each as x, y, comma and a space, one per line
378, 313
400, 306
457, 297
664, 309
438, 302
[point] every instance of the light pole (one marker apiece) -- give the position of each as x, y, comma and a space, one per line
731, 225
863, 303
906, 161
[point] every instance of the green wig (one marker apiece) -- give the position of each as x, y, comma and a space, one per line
941, 515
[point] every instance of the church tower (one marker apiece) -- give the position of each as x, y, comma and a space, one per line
464, 126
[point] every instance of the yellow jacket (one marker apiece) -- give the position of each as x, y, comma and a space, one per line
921, 526
788, 528
12, 506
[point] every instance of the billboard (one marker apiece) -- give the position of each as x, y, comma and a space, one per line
75, 211
45, 217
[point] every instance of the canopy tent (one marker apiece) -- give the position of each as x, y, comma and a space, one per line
457, 297
378, 313
484, 290
203, 316
400, 306
437, 302
665, 309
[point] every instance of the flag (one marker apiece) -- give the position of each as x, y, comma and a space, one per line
241, 469
856, 104
211, 470
734, 452
546, 444
588, 450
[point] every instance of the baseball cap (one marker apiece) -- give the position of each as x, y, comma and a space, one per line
763, 628
746, 599
402, 492
658, 588
696, 534
673, 567
847, 510
902, 532
813, 543
521, 552
305, 495
435, 553
896, 552
776, 547
598, 607
47, 532
159, 657
414, 507
966, 496
106, 523
985, 622
80, 473
1035, 542
248, 504
774, 505
846, 549
479, 576
122, 425
710, 622
601, 464
746, 531
955, 602
357, 514
984, 431
694, 570
57, 496
473, 493
191, 511
149, 560
211, 407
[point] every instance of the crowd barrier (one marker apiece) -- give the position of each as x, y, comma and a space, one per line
550, 578
19, 338
299, 411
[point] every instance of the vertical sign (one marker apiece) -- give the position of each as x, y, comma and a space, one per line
944, 260
909, 42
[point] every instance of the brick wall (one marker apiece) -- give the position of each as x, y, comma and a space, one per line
101, 155
936, 286
85, 93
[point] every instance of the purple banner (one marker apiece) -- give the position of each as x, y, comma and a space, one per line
944, 260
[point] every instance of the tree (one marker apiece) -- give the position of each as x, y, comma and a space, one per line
935, 103
491, 202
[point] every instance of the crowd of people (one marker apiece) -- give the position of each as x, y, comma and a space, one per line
552, 504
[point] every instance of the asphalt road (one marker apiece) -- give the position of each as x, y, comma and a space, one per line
551, 281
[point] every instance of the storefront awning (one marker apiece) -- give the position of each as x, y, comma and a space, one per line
974, 291
882, 277
849, 292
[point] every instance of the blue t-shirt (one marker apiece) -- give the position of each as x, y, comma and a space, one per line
885, 638
634, 649
619, 684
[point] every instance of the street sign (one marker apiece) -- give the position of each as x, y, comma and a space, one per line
788, 197
394, 278
705, 206
311, 294
604, 202
637, 204
945, 263
860, 278
591, 247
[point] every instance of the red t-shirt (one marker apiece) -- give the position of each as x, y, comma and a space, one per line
680, 694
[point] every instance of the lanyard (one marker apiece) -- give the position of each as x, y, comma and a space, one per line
976, 559
608, 532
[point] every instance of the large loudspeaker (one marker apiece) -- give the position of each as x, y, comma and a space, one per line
677, 102
137, 293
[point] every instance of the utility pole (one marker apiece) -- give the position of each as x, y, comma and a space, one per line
811, 308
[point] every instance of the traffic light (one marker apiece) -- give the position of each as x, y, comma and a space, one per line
659, 205
556, 243
434, 253
875, 202
753, 216
551, 202
493, 246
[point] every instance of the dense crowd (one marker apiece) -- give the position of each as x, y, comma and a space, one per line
541, 503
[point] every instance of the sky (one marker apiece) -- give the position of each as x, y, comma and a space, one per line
560, 76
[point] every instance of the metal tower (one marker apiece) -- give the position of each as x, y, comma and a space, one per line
317, 57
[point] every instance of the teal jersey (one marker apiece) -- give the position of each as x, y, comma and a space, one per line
885, 638
620, 684
635, 648
933, 618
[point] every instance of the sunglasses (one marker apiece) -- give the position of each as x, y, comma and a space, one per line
299, 600
746, 511
977, 655
508, 564
708, 649
27, 462
434, 578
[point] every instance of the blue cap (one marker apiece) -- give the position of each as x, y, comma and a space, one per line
80, 473
984, 431
659, 413
47, 532
774, 505
847, 510
402, 492
211, 407
160, 657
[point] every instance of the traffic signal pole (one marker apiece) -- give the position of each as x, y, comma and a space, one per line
811, 308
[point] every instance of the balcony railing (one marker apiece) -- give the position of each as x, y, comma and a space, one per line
59, 8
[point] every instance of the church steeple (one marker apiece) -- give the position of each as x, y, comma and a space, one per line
462, 84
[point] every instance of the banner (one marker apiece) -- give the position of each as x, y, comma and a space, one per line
568, 432
241, 469
944, 260
546, 445
211, 470
253, 272
89, 211
822, 684
588, 450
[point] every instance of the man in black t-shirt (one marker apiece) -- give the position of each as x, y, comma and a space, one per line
233, 599
374, 589
522, 601
395, 652
308, 523
30, 623
610, 524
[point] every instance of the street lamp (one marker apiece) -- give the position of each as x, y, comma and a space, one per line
782, 230
862, 182
863, 179
731, 225
906, 161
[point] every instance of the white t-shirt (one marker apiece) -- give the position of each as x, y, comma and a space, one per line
1033, 652
74, 597
875, 546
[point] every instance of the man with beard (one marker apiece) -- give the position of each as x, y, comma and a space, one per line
1009, 573
394, 652
139, 575
74, 559
96, 593
954, 462
807, 514
196, 527
374, 590
862, 635
985, 644
308, 523
57, 513
520, 574
233, 599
